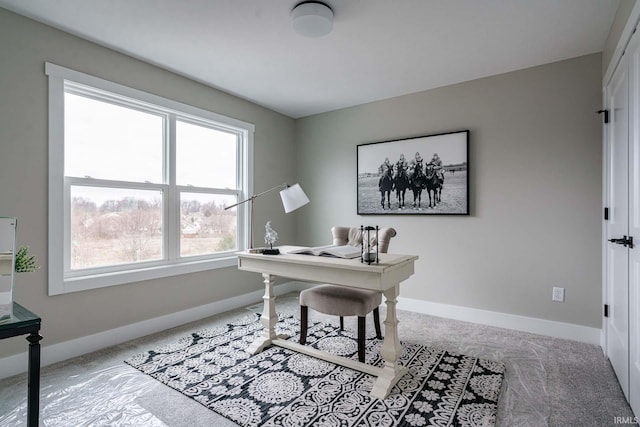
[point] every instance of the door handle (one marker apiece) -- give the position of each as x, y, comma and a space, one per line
624, 241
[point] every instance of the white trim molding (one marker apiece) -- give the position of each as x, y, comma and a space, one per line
533, 325
623, 41
62, 277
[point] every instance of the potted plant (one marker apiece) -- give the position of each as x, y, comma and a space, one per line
24, 262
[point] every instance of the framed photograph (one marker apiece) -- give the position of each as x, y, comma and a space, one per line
423, 175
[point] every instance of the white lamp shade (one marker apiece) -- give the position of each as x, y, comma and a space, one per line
312, 19
293, 198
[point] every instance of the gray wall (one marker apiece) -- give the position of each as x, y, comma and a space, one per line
535, 159
25, 45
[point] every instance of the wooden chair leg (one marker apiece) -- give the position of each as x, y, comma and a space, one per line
361, 338
376, 322
341, 323
304, 313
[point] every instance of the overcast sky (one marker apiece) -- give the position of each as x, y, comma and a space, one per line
452, 149
107, 141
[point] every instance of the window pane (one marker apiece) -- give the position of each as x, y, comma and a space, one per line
205, 227
107, 141
205, 157
111, 226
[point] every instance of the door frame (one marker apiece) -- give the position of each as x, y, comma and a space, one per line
625, 37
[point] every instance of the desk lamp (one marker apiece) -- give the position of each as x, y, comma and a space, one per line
292, 198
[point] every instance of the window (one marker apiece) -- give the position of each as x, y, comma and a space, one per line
138, 184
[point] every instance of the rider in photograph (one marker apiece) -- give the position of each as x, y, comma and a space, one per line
401, 164
383, 169
437, 165
416, 163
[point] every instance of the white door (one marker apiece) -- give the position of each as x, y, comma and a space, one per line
618, 225
623, 193
633, 52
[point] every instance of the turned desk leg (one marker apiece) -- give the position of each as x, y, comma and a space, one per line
269, 317
33, 387
392, 371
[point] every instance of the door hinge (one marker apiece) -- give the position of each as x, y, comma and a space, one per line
606, 214
606, 115
627, 242
606, 310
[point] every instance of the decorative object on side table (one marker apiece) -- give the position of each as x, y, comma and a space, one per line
369, 255
270, 237
11, 262
25, 263
7, 265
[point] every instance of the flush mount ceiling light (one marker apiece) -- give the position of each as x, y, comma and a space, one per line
312, 19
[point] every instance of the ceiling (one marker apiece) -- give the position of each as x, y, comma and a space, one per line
378, 48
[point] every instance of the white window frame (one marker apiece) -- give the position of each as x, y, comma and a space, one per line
61, 279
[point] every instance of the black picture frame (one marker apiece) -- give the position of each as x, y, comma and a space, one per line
451, 171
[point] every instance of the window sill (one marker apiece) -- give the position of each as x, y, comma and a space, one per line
76, 284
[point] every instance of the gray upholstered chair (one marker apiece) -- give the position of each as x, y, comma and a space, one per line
344, 301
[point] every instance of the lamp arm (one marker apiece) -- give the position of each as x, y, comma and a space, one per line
255, 196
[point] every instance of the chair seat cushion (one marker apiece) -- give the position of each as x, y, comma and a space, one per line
340, 300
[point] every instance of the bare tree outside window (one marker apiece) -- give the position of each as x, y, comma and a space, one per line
111, 226
110, 231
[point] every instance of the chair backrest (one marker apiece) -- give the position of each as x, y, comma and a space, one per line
353, 236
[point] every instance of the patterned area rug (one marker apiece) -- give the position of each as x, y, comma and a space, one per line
279, 387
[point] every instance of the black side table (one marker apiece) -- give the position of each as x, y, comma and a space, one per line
25, 322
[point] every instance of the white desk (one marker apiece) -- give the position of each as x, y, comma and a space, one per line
385, 277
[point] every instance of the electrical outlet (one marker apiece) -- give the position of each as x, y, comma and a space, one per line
558, 294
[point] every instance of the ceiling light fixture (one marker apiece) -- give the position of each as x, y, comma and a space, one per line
312, 19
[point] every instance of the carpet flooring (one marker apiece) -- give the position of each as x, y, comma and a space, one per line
548, 381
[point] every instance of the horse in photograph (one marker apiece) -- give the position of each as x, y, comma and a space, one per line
401, 183
418, 182
386, 186
434, 180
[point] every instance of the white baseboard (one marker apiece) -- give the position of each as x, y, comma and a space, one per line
17, 364
503, 320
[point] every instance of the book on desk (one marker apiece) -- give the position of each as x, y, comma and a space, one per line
344, 251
